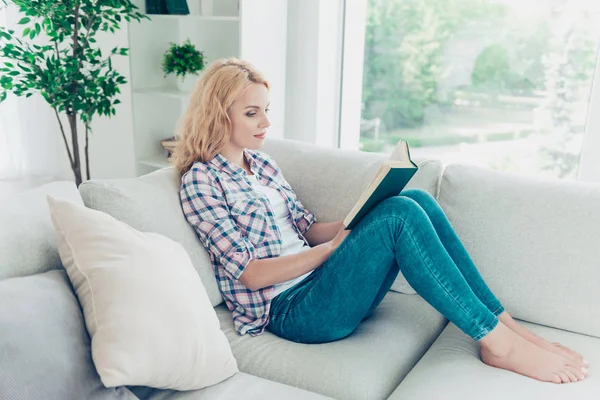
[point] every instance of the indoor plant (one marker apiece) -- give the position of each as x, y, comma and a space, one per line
185, 61
66, 66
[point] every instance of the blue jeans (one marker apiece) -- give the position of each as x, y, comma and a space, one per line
408, 233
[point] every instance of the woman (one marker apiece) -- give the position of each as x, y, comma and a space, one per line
314, 282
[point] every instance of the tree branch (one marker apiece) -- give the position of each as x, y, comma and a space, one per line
57, 52
75, 48
87, 153
62, 130
87, 29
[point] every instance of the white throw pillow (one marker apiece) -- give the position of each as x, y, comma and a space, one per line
148, 315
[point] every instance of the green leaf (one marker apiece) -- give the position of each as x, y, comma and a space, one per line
2, 96
24, 20
14, 73
6, 84
26, 31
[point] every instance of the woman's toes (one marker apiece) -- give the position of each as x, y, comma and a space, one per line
556, 378
572, 374
578, 373
563, 377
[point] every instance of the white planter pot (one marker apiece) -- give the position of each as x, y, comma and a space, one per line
188, 83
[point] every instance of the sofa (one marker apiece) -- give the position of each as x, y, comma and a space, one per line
534, 241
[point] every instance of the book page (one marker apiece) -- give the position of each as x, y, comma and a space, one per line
375, 181
400, 152
400, 156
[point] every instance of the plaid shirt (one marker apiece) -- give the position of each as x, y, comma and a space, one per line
236, 224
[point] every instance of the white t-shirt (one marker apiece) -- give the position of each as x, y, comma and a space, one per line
290, 242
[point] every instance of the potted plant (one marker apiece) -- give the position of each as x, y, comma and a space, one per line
185, 62
67, 68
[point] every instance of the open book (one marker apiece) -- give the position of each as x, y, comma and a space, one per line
389, 180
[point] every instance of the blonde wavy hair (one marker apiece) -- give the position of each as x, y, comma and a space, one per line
205, 127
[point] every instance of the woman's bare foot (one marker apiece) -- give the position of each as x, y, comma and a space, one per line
504, 348
554, 347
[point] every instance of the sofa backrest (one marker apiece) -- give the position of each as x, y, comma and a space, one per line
327, 181
330, 181
534, 241
27, 241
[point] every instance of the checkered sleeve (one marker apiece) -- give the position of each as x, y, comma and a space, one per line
305, 219
206, 210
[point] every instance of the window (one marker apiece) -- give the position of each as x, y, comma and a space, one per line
498, 83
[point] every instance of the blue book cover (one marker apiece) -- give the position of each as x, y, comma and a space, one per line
389, 180
156, 7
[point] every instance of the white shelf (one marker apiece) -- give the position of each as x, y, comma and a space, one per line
168, 92
214, 18
156, 162
236, 28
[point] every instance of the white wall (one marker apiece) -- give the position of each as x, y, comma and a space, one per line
302, 70
352, 67
313, 71
111, 146
265, 49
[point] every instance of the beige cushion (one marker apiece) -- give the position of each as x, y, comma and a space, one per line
535, 242
241, 386
452, 370
149, 318
368, 364
27, 242
151, 203
330, 181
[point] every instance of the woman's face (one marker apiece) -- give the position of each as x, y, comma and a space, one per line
249, 121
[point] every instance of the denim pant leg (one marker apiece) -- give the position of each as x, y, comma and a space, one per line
455, 248
396, 235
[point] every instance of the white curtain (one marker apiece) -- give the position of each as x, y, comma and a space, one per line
11, 164
28, 140
589, 164
11, 158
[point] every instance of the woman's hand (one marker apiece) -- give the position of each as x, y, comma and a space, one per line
339, 238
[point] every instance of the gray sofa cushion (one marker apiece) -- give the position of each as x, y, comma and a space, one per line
44, 346
151, 203
330, 181
452, 370
240, 386
27, 242
368, 364
535, 242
